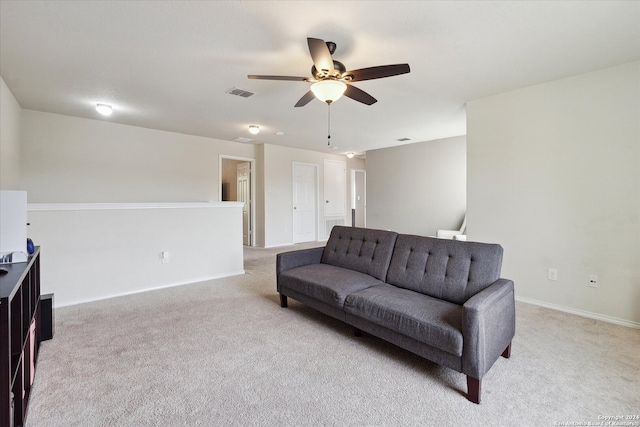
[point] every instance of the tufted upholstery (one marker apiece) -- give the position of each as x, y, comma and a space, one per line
446, 269
365, 250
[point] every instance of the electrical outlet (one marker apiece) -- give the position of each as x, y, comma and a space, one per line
552, 274
164, 257
593, 281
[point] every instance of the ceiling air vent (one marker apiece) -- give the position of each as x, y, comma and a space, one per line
243, 139
240, 92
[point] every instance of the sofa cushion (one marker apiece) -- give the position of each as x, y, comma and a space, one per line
326, 283
445, 269
361, 249
423, 318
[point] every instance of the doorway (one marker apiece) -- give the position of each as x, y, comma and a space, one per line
237, 185
358, 198
305, 202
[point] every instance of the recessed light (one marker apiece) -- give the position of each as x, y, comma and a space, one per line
334, 148
279, 133
104, 109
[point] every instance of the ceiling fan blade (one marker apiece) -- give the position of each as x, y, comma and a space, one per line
320, 55
292, 78
305, 99
359, 95
376, 72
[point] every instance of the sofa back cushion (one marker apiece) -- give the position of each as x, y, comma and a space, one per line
361, 249
450, 270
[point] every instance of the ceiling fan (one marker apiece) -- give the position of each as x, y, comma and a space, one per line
331, 79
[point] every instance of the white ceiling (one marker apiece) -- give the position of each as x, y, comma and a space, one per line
168, 65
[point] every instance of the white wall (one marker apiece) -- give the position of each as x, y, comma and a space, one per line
96, 251
73, 160
278, 190
10, 128
554, 176
417, 188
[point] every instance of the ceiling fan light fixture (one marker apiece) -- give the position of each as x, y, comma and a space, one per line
104, 109
328, 90
254, 129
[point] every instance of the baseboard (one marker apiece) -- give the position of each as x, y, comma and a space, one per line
582, 313
155, 288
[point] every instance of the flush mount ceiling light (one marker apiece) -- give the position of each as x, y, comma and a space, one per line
104, 109
328, 90
254, 129
350, 155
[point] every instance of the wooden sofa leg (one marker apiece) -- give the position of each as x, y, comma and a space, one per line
473, 387
283, 301
507, 352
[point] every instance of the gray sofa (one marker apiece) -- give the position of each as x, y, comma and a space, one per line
441, 299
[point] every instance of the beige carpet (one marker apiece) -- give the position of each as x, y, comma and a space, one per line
223, 353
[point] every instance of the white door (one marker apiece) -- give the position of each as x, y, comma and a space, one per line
304, 202
335, 188
244, 195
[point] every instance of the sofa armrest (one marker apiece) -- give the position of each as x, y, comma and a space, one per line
288, 260
488, 326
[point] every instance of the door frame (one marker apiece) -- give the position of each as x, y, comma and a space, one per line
252, 188
317, 210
